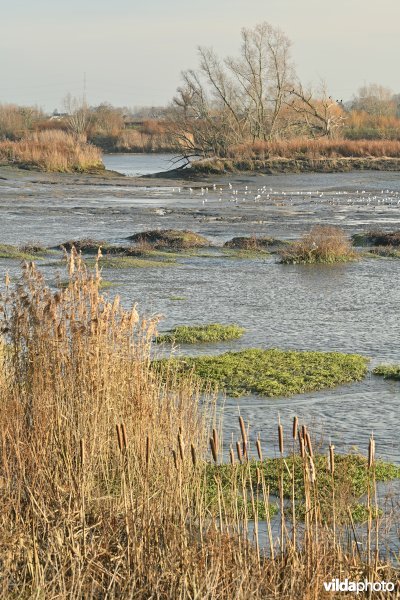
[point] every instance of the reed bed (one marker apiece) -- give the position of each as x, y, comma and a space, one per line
315, 148
105, 470
52, 150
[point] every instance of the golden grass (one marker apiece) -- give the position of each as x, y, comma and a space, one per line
315, 148
51, 151
103, 471
322, 244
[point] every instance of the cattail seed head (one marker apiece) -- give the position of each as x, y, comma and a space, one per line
280, 438
231, 456
295, 427
259, 451
332, 459
119, 438
309, 445
371, 451
213, 450
239, 452
243, 430
180, 446
193, 453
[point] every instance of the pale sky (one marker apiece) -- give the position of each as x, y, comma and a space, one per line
133, 52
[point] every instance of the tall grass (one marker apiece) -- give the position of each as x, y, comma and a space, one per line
322, 244
52, 150
315, 148
104, 470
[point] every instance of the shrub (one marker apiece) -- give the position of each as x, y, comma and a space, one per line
323, 244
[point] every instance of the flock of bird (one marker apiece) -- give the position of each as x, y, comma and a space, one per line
229, 193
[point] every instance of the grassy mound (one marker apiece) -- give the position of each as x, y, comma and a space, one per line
351, 481
195, 334
377, 238
323, 244
388, 371
251, 243
272, 372
170, 238
384, 252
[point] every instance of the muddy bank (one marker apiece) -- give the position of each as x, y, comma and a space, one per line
275, 166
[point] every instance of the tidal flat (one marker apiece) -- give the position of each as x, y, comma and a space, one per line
348, 308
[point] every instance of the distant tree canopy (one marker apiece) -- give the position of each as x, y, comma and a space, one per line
253, 96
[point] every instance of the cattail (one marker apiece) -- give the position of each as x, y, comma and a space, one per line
119, 437
312, 470
371, 451
213, 450
302, 447
215, 438
295, 426
124, 436
82, 452
232, 456
239, 452
193, 453
309, 445
7, 280
280, 438
174, 456
147, 450
303, 432
180, 445
258, 446
258, 472
332, 459
243, 431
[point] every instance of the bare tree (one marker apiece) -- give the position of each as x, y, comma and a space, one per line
266, 74
321, 114
228, 101
376, 100
79, 115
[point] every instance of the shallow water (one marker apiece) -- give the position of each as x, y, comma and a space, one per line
351, 308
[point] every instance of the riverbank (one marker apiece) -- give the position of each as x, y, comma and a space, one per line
273, 166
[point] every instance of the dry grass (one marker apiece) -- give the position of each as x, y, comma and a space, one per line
323, 244
103, 490
315, 148
51, 151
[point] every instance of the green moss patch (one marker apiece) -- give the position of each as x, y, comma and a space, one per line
350, 481
127, 262
195, 334
388, 371
12, 252
271, 372
170, 238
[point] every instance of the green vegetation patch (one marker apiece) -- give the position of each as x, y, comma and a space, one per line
271, 372
12, 252
388, 371
351, 480
170, 238
127, 262
384, 252
196, 334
